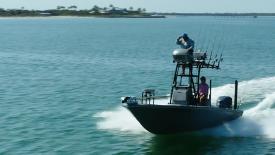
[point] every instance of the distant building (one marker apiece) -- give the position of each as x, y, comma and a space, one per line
114, 10
45, 13
117, 10
101, 11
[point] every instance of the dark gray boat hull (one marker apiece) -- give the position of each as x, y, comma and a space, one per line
169, 119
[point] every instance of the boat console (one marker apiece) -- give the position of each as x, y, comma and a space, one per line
182, 95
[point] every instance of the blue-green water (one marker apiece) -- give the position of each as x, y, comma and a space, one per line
61, 80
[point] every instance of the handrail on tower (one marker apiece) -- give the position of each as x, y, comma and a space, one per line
191, 61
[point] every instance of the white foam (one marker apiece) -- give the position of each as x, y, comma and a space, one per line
119, 119
249, 91
256, 121
264, 105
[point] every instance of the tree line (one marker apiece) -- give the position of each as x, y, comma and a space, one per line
73, 10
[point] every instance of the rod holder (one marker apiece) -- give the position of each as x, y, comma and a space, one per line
236, 95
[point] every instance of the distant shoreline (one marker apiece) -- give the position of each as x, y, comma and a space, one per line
97, 12
151, 15
218, 14
111, 12
77, 16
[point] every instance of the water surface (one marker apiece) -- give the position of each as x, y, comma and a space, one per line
62, 78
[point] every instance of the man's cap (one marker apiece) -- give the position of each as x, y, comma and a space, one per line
185, 35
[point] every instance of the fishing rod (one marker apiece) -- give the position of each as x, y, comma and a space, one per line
233, 34
212, 50
222, 40
226, 40
220, 46
217, 46
214, 61
220, 60
213, 26
208, 46
210, 33
210, 58
205, 36
205, 41
199, 36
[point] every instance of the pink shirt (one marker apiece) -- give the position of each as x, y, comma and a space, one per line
203, 89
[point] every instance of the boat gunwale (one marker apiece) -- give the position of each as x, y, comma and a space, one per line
177, 106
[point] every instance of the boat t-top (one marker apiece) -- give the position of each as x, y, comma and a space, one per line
184, 112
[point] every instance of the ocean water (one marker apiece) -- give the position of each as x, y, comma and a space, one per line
61, 80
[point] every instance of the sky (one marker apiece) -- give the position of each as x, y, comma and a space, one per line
180, 6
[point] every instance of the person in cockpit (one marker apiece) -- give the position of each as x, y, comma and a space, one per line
203, 91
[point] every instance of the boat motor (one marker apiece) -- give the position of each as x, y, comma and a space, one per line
224, 102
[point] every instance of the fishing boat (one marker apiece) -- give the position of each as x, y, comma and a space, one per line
183, 111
